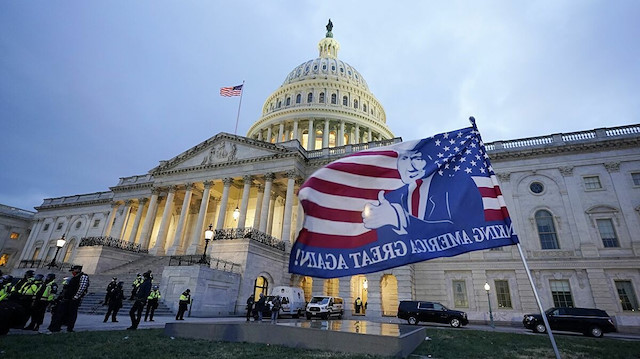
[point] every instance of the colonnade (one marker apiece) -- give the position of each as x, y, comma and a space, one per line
342, 131
173, 218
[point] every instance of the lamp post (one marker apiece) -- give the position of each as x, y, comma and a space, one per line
59, 244
487, 288
236, 213
208, 235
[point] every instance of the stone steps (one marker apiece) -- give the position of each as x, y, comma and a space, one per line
92, 304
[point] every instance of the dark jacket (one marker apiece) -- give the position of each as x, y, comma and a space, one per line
144, 290
77, 287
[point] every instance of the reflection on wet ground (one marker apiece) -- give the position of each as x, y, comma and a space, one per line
355, 326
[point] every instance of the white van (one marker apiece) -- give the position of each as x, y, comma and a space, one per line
292, 300
325, 306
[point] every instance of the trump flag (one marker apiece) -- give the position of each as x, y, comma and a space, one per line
390, 206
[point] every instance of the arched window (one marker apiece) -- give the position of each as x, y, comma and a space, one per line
298, 98
345, 101
546, 230
364, 107
288, 101
355, 103
309, 97
334, 99
321, 97
261, 287
279, 104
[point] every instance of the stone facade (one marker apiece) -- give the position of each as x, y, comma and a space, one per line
15, 227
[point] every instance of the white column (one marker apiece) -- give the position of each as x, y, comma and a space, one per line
341, 134
369, 136
125, 218
136, 221
245, 201
147, 227
223, 203
264, 212
269, 134
112, 214
311, 137
260, 135
272, 206
295, 130
177, 238
325, 134
256, 217
300, 219
288, 206
357, 136
280, 132
161, 238
195, 237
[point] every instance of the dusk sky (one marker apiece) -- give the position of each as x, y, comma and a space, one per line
91, 91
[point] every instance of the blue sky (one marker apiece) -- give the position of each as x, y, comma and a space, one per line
91, 91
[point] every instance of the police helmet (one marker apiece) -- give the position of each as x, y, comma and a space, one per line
155, 287
30, 273
114, 279
120, 284
51, 276
39, 277
187, 291
7, 277
65, 280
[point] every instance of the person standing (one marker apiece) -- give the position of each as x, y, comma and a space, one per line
115, 303
185, 300
45, 295
136, 284
27, 299
67, 309
110, 287
260, 305
250, 302
276, 304
358, 305
144, 289
152, 303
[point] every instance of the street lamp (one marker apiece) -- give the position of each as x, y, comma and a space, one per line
236, 213
208, 235
59, 244
487, 288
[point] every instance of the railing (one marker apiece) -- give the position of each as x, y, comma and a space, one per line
39, 263
111, 242
250, 233
215, 263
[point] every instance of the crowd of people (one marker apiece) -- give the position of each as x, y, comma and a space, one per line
258, 309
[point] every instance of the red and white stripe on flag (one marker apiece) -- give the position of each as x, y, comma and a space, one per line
231, 91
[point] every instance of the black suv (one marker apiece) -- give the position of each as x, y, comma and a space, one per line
418, 311
589, 321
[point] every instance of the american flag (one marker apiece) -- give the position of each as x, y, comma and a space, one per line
231, 91
334, 197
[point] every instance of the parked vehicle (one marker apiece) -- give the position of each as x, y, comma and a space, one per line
292, 300
414, 311
589, 321
325, 307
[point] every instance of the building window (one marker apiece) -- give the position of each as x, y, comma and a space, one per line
355, 103
14, 235
364, 107
96, 223
334, 99
460, 294
592, 182
607, 233
78, 225
546, 230
627, 295
288, 101
321, 99
261, 287
536, 187
59, 226
502, 293
561, 293
636, 178
46, 227
309, 97
298, 98
345, 101
4, 259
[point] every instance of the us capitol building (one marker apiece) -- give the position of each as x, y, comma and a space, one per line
573, 197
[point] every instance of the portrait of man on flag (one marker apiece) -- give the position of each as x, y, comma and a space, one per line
390, 206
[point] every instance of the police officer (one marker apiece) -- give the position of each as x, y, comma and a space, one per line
152, 303
5, 286
185, 300
45, 295
110, 287
67, 308
144, 289
115, 302
136, 284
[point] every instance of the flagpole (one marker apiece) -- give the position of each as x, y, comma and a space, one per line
526, 268
535, 293
235, 132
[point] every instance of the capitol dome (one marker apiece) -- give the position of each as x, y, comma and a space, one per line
325, 97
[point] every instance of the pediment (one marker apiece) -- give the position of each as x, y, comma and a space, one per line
219, 150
